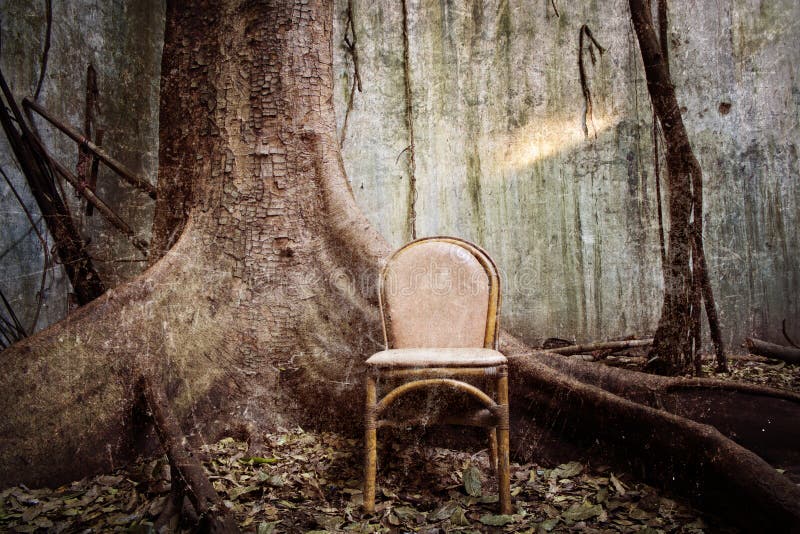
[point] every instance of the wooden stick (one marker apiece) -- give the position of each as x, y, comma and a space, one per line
441, 372
771, 350
602, 345
94, 170
484, 418
93, 200
187, 472
76, 136
503, 449
370, 445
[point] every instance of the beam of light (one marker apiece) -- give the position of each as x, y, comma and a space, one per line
543, 138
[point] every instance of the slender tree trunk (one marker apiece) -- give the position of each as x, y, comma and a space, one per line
685, 285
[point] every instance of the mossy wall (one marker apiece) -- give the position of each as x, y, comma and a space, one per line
500, 152
502, 159
122, 40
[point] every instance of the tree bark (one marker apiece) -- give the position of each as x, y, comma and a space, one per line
676, 339
264, 310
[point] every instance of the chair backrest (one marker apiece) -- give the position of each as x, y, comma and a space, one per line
440, 292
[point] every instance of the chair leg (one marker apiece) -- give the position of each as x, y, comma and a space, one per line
370, 445
492, 432
493, 449
503, 474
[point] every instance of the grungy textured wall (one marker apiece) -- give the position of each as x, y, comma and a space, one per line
122, 40
500, 152
501, 156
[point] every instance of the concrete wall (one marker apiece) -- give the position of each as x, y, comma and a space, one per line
123, 41
502, 159
501, 156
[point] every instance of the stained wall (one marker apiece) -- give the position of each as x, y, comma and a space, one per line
501, 156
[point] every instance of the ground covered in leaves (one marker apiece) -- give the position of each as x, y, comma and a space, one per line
757, 370
312, 482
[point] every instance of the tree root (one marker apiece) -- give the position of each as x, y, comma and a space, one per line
613, 346
663, 432
188, 476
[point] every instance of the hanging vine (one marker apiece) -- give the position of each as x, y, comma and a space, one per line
46, 49
412, 165
587, 94
350, 44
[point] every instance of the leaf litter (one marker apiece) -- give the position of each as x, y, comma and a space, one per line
761, 371
746, 368
311, 482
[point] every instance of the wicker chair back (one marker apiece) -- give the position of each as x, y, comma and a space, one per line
440, 292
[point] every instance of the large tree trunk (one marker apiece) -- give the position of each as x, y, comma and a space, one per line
264, 310
264, 306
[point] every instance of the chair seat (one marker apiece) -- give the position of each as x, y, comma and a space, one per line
436, 357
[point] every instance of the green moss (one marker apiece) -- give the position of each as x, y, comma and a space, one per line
474, 192
504, 28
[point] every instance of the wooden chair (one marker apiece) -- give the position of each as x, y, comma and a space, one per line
439, 299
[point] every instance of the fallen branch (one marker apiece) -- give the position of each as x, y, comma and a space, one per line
85, 190
124, 172
188, 476
602, 345
70, 246
771, 350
